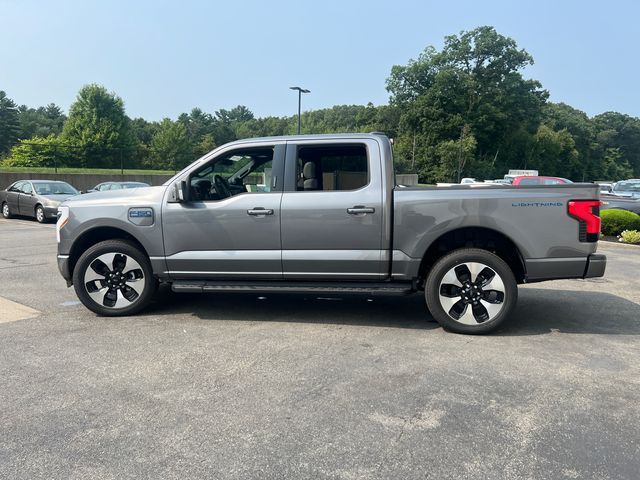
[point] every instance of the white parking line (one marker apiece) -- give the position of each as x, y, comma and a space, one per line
12, 311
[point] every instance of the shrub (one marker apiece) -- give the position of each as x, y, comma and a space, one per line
630, 236
614, 222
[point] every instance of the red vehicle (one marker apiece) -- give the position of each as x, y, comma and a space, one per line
527, 180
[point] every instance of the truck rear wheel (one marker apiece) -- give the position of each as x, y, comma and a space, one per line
114, 278
471, 291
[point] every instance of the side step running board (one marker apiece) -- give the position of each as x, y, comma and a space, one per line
198, 286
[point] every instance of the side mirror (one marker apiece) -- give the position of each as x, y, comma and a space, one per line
182, 191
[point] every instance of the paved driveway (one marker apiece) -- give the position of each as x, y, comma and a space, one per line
238, 386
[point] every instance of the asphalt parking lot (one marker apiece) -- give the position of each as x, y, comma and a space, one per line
240, 386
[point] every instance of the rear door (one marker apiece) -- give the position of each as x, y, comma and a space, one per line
332, 215
13, 196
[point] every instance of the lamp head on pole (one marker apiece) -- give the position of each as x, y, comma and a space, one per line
300, 89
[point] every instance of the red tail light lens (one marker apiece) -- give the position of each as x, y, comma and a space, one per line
587, 212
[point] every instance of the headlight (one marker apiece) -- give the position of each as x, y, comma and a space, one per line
63, 218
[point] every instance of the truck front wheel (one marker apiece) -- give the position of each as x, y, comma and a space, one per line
114, 278
471, 291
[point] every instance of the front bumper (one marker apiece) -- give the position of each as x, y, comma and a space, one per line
51, 212
540, 269
63, 266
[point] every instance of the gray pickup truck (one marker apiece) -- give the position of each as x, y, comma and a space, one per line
323, 214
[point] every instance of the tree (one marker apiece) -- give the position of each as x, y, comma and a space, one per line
98, 124
473, 83
38, 151
170, 147
622, 132
9, 123
41, 121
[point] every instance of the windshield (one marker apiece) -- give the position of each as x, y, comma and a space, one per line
54, 188
627, 187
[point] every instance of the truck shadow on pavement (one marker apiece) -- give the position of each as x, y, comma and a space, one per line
539, 311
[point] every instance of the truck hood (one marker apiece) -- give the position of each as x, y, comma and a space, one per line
133, 196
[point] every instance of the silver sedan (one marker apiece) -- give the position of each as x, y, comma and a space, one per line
35, 198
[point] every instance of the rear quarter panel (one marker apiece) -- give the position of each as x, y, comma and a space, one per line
534, 217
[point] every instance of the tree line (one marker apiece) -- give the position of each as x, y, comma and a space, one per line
465, 110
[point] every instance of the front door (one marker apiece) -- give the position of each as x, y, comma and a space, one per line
27, 201
332, 215
230, 227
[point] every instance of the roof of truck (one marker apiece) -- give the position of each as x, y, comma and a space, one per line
323, 136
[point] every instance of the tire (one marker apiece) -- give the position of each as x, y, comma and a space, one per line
6, 213
471, 291
114, 278
40, 215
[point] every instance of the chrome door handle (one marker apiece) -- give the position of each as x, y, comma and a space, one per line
258, 211
360, 210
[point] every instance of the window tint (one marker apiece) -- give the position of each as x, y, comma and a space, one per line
27, 188
235, 173
332, 168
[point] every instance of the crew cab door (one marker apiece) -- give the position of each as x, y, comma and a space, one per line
230, 225
332, 215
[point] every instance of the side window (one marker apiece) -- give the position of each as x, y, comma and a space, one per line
529, 181
102, 187
115, 186
234, 173
16, 187
27, 188
332, 168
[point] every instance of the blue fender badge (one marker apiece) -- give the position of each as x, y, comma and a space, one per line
142, 216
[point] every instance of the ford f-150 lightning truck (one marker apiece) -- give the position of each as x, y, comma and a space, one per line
323, 214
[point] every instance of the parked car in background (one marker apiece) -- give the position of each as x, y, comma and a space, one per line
530, 180
101, 187
605, 187
35, 198
627, 188
610, 201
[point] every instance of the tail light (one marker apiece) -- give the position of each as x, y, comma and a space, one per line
587, 212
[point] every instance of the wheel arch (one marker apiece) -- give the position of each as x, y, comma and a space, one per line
96, 235
474, 237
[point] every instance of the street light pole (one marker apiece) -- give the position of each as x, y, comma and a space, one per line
300, 92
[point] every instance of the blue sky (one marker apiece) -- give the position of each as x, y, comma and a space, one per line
164, 58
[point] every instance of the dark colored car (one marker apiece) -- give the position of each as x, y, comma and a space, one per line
105, 186
528, 180
35, 198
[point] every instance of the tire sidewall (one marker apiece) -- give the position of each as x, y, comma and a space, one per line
114, 246
5, 205
44, 216
446, 263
